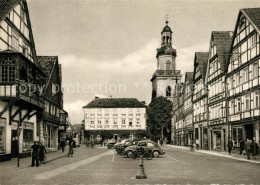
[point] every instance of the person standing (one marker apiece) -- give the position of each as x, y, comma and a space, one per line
161, 141
247, 148
35, 154
230, 146
42, 151
62, 145
254, 149
197, 144
242, 146
70, 152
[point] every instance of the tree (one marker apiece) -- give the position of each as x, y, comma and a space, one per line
159, 114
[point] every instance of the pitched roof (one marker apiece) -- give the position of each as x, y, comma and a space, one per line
189, 76
254, 15
223, 40
46, 64
6, 7
114, 103
202, 59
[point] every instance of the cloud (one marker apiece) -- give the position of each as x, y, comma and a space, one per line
185, 57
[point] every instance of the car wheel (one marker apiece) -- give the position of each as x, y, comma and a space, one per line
129, 154
156, 153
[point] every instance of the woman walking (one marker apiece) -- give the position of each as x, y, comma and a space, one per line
70, 152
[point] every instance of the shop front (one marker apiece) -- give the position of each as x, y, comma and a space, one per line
50, 135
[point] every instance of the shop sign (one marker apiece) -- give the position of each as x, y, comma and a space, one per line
2, 122
27, 125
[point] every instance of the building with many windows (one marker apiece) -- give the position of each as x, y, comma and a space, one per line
220, 43
122, 117
22, 101
199, 99
243, 78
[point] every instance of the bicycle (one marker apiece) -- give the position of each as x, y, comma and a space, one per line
140, 151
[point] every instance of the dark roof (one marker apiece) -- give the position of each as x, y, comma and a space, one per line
254, 16
166, 29
202, 59
223, 40
6, 6
189, 77
114, 103
46, 64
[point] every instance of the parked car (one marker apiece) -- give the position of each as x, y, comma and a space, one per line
110, 144
119, 143
145, 144
128, 143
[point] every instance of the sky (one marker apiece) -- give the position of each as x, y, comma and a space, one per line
108, 47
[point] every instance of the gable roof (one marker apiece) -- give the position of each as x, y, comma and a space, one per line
114, 103
202, 59
189, 77
6, 7
253, 14
47, 64
223, 40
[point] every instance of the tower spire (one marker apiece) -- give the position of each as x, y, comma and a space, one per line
166, 19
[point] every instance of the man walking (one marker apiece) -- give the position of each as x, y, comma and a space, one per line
35, 154
242, 146
230, 146
248, 147
254, 149
62, 145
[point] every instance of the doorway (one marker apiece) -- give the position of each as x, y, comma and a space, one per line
14, 144
249, 131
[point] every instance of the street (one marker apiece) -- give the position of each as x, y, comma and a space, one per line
103, 166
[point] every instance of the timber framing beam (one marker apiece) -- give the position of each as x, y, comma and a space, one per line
13, 116
31, 115
26, 115
6, 107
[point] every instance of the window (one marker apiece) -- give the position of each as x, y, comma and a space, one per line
106, 121
15, 42
99, 122
247, 103
168, 65
142, 144
232, 107
253, 40
168, 91
7, 70
115, 121
255, 70
257, 100
130, 122
238, 105
92, 122
123, 121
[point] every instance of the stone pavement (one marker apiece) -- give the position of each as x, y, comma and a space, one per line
25, 162
234, 155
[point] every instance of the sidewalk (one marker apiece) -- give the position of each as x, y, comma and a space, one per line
26, 162
234, 155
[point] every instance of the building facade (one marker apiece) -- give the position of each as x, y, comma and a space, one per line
166, 76
220, 43
21, 82
122, 117
243, 78
199, 99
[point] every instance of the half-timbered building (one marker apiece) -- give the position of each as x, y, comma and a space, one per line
243, 78
220, 43
199, 99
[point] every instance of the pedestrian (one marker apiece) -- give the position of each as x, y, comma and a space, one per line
254, 149
197, 144
247, 148
35, 154
161, 141
42, 151
70, 152
230, 145
62, 145
242, 146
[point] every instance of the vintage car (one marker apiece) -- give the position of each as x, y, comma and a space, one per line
128, 143
145, 144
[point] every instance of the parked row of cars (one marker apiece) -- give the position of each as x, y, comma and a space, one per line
129, 147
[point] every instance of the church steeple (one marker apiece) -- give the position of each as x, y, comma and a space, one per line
166, 35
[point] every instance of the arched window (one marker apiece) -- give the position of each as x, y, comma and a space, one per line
167, 39
168, 91
168, 65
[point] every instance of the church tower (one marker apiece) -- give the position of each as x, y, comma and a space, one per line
166, 76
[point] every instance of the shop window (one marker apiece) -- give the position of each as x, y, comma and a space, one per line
27, 139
